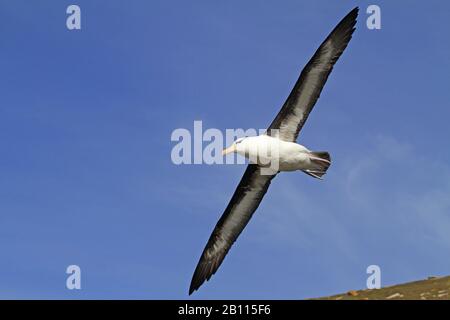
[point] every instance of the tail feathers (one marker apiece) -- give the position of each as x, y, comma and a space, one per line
320, 162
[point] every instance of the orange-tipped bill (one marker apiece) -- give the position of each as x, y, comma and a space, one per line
228, 150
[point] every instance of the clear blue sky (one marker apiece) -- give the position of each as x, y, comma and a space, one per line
85, 170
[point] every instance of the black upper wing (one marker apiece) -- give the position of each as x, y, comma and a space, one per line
243, 204
304, 95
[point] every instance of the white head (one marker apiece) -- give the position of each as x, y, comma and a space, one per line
237, 146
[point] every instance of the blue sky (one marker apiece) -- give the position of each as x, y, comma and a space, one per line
85, 171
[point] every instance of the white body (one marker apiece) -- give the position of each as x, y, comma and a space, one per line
269, 151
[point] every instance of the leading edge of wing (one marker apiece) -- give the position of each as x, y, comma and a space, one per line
243, 203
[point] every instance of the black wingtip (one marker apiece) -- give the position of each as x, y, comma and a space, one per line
350, 18
352, 15
196, 281
343, 31
192, 287
354, 11
197, 278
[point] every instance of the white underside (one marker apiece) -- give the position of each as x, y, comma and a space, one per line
266, 150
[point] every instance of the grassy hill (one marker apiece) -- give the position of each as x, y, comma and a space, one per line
433, 288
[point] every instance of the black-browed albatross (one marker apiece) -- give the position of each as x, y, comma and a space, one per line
283, 131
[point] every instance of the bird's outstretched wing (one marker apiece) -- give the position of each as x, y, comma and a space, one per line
292, 116
243, 204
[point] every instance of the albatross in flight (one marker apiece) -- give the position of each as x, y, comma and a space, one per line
290, 156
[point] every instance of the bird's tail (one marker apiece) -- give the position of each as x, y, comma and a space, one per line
320, 162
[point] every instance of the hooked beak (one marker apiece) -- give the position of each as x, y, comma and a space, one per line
228, 150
